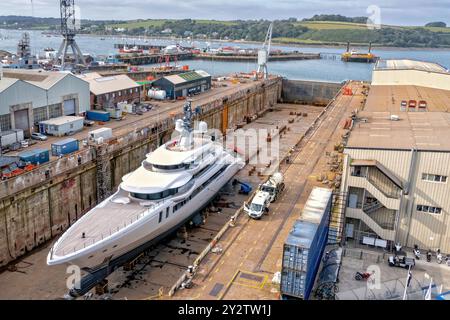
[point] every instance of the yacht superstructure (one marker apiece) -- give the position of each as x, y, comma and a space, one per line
173, 183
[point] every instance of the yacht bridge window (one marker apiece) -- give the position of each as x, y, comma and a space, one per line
172, 167
155, 196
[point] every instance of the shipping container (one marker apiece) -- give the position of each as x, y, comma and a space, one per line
62, 126
97, 115
104, 133
64, 147
36, 156
11, 137
303, 249
114, 113
126, 107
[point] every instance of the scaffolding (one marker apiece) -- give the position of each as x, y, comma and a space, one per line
337, 219
103, 172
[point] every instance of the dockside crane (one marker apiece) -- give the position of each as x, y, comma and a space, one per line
264, 53
68, 31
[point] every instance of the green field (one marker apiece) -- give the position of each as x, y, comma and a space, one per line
326, 25
160, 22
139, 24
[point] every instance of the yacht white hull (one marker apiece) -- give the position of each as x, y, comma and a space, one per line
146, 229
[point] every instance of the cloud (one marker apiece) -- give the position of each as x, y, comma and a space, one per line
411, 12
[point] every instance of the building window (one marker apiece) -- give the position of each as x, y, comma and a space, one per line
107, 96
131, 91
137, 90
160, 217
55, 110
120, 93
429, 209
40, 114
434, 178
113, 95
5, 122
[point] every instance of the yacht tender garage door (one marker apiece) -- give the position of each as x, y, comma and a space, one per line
69, 107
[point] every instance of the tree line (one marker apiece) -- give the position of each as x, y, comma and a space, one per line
255, 30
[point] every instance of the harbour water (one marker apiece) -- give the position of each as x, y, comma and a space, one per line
333, 70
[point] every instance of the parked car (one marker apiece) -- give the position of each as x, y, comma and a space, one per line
88, 123
24, 144
38, 136
401, 261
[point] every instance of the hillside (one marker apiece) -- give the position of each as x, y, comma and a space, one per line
315, 30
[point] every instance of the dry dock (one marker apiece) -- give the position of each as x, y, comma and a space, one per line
43, 207
253, 249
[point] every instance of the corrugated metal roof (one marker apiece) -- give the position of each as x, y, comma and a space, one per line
5, 83
420, 130
406, 64
102, 85
302, 234
187, 76
41, 79
63, 142
62, 120
316, 205
175, 79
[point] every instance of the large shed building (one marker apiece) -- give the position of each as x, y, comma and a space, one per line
184, 84
107, 92
30, 96
396, 165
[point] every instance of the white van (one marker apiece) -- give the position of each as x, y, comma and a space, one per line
104, 133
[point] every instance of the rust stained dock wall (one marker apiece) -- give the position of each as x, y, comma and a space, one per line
40, 205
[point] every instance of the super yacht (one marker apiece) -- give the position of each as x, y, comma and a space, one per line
174, 183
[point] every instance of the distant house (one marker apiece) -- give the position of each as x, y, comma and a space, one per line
167, 31
108, 91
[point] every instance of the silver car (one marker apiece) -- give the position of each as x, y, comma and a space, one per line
38, 136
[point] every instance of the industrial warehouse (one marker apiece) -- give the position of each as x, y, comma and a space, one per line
183, 85
107, 92
31, 96
397, 156
124, 177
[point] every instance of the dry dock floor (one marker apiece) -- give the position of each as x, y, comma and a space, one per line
155, 273
252, 250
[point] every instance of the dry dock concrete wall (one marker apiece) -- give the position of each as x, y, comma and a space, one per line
39, 205
309, 92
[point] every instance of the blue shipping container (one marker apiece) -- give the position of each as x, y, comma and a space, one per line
97, 115
304, 246
36, 156
64, 147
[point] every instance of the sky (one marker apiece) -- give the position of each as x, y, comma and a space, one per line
398, 12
